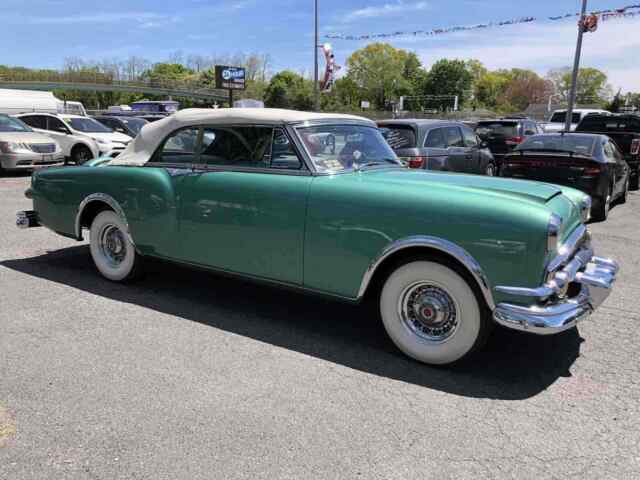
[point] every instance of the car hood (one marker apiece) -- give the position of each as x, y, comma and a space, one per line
536, 192
25, 137
109, 137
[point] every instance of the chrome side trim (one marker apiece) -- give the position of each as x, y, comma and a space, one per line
104, 198
434, 243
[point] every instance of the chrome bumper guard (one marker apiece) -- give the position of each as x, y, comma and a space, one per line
28, 219
595, 277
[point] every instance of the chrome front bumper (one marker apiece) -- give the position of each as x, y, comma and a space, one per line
592, 277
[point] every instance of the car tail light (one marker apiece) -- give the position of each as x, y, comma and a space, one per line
635, 147
514, 140
592, 171
417, 162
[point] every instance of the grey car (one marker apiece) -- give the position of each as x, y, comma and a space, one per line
438, 145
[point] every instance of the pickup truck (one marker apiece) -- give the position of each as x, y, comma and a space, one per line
624, 130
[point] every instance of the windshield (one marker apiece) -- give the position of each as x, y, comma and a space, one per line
135, 124
341, 147
559, 143
399, 136
8, 124
87, 125
497, 129
560, 117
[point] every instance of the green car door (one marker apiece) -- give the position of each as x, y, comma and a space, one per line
243, 207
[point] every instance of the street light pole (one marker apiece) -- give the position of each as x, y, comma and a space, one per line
576, 69
316, 88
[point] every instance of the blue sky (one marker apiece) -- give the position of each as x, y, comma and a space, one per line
41, 33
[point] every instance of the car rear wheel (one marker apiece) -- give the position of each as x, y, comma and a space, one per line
634, 182
81, 154
112, 251
625, 193
431, 313
602, 210
491, 170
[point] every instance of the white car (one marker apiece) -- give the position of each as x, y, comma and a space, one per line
81, 138
558, 118
23, 149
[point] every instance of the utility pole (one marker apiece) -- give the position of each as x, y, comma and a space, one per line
316, 87
576, 69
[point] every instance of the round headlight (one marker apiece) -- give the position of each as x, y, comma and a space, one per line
554, 232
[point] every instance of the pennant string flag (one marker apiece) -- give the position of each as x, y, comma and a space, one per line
603, 15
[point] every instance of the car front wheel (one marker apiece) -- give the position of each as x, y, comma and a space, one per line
431, 313
112, 251
81, 154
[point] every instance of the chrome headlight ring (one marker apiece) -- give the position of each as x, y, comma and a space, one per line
554, 232
585, 208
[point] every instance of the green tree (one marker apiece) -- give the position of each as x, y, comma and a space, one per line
592, 87
287, 89
449, 77
383, 72
167, 72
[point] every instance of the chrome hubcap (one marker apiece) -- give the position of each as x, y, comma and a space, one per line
429, 312
113, 245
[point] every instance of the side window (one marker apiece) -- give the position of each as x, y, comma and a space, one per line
454, 137
56, 125
529, 128
237, 147
180, 148
608, 151
35, 121
436, 139
470, 139
283, 154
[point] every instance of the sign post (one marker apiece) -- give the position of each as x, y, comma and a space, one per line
230, 78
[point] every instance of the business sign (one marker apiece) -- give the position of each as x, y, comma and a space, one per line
230, 78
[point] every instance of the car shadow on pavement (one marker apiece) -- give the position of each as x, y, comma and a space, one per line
513, 366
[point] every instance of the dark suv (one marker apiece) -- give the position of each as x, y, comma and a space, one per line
624, 130
503, 135
438, 145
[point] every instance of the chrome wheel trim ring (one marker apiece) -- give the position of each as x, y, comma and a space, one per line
428, 311
112, 245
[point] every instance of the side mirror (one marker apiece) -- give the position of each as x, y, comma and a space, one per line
484, 144
62, 130
120, 130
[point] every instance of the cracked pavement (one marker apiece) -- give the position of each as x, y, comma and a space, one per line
189, 375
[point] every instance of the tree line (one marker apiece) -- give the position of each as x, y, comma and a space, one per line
378, 73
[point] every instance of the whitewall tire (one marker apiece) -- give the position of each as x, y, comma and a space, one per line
112, 251
431, 313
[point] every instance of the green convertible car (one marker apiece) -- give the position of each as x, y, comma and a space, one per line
319, 202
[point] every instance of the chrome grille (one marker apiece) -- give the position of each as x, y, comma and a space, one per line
43, 147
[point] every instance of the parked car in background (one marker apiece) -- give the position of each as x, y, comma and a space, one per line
122, 124
255, 193
81, 138
438, 145
505, 134
21, 148
591, 163
166, 107
13, 102
557, 120
624, 130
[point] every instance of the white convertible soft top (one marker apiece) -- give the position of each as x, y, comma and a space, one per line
143, 146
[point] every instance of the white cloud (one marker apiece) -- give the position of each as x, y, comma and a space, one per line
400, 7
97, 18
542, 47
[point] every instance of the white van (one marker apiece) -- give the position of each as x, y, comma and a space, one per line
21, 101
557, 121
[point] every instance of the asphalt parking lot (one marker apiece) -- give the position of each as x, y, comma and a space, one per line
186, 375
